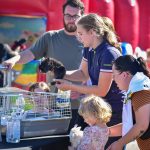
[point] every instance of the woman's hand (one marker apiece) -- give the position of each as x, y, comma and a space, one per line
66, 85
63, 84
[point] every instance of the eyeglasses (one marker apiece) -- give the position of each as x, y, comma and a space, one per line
69, 17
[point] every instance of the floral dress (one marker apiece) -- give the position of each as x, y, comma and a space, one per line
94, 138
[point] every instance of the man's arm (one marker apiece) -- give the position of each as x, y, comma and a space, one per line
22, 58
25, 57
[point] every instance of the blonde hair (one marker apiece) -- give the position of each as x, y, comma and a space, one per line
103, 26
108, 22
41, 85
97, 107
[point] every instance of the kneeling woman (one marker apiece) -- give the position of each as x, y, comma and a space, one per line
131, 75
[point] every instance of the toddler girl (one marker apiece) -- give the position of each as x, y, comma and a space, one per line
96, 113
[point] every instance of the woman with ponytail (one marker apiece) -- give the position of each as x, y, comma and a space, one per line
101, 48
132, 75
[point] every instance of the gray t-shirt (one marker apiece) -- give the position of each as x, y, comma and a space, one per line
59, 45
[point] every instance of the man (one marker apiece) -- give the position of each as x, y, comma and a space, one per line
60, 44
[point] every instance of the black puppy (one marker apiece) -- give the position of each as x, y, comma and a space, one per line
53, 65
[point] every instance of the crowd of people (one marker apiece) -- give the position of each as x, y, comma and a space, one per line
89, 49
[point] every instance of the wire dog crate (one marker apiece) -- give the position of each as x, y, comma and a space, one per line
40, 113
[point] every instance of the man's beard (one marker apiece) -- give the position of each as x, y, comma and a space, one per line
70, 28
